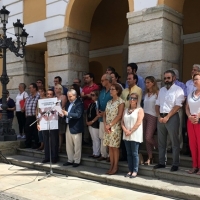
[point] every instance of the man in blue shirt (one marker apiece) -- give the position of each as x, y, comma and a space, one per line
132, 68
104, 97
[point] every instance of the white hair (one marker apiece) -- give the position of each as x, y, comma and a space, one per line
176, 72
198, 66
72, 91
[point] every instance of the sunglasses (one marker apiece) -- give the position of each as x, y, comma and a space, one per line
133, 98
92, 95
167, 78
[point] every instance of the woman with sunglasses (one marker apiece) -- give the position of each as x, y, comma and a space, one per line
193, 124
93, 124
150, 116
112, 125
132, 133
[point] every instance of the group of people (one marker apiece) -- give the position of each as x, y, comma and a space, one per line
114, 115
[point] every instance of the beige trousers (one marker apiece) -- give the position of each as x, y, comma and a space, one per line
73, 146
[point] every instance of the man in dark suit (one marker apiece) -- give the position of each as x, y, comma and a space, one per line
74, 119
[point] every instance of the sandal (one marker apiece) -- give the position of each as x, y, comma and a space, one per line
198, 173
193, 171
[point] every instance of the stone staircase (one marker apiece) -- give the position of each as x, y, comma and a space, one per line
161, 181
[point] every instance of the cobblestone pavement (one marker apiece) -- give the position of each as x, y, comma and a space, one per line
18, 183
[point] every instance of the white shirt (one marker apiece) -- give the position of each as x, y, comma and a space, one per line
20, 97
149, 104
129, 122
194, 106
190, 86
167, 99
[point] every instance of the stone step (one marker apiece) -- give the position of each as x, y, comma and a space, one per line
180, 176
155, 184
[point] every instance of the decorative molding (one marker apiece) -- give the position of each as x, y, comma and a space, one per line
191, 38
107, 51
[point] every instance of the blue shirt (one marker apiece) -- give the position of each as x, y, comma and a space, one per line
104, 97
140, 83
182, 85
69, 108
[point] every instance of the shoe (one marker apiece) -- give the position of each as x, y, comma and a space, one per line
67, 163
193, 171
76, 164
45, 161
198, 173
35, 146
127, 175
108, 159
133, 176
113, 172
159, 166
54, 160
149, 161
18, 136
23, 137
174, 168
91, 156
97, 156
101, 158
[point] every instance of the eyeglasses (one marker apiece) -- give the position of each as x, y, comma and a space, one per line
92, 95
167, 78
133, 98
112, 89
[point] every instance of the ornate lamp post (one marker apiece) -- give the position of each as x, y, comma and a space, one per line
6, 133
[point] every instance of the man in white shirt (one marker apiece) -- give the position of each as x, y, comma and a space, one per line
168, 103
190, 84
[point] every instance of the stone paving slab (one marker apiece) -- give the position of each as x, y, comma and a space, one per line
22, 184
153, 185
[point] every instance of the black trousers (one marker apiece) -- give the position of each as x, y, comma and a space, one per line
54, 144
21, 121
31, 132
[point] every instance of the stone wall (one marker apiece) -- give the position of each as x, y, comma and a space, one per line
155, 40
68, 54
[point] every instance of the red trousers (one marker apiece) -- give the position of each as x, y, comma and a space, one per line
194, 142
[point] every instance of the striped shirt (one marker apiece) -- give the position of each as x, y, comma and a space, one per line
31, 105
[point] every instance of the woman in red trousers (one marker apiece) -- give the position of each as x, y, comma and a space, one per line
193, 124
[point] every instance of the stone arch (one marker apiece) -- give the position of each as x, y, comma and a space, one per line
176, 5
79, 13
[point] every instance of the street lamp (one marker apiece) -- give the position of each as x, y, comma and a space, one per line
6, 133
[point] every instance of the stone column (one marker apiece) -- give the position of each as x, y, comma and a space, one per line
68, 54
155, 40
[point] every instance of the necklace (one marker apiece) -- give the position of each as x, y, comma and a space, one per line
130, 111
195, 98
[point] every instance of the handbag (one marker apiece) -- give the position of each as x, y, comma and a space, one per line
22, 102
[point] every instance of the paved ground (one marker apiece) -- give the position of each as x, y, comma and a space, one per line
17, 183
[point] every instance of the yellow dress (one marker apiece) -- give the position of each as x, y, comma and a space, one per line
113, 138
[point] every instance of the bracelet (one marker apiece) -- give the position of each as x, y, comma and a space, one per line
92, 121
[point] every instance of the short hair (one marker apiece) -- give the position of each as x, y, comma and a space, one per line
133, 66
135, 76
196, 74
34, 86
43, 89
50, 90
176, 72
112, 69
77, 88
59, 78
118, 89
91, 75
60, 87
170, 72
23, 85
116, 75
72, 91
108, 77
40, 80
198, 66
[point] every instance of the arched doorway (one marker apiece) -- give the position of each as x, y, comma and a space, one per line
107, 23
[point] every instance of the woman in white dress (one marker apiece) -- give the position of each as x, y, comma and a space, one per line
132, 133
20, 114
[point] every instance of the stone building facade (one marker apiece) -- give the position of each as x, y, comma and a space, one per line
70, 37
